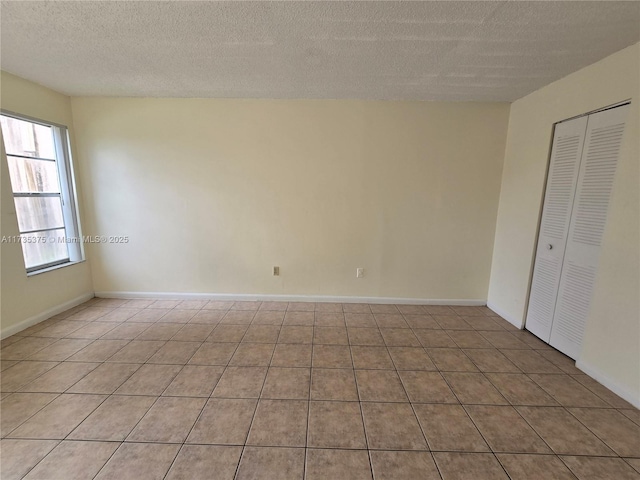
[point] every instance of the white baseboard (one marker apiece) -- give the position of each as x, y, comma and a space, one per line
518, 323
632, 397
18, 327
288, 298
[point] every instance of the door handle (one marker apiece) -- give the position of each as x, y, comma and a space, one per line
549, 247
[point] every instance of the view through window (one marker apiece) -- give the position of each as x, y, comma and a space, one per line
40, 171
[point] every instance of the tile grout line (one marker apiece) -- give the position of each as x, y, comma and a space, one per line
560, 405
591, 430
123, 441
70, 387
491, 450
415, 415
507, 452
141, 417
204, 405
152, 405
58, 393
306, 443
124, 381
509, 404
255, 410
514, 408
65, 437
364, 428
42, 459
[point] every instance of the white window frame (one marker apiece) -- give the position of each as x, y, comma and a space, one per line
68, 196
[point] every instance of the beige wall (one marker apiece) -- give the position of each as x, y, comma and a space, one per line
214, 193
25, 298
611, 350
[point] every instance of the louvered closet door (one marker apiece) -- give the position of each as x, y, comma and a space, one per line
594, 187
564, 166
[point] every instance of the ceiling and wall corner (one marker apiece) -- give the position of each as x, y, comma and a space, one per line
435, 51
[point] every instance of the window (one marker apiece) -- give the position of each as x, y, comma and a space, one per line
42, 184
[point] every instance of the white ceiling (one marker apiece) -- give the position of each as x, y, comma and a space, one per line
461, 51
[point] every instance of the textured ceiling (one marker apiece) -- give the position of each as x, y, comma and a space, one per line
461, 51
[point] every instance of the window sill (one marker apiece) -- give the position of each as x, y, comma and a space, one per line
55, 267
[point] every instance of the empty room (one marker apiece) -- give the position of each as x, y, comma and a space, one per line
318, 240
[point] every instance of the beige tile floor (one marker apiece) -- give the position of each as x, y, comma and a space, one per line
143, 389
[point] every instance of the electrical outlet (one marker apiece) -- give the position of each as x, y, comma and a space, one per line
359, 272
276, 271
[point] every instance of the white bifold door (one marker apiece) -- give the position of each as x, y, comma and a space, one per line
583, 162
